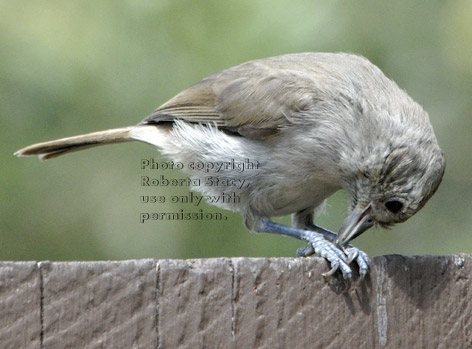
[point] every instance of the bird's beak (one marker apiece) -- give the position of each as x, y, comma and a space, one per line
358, 221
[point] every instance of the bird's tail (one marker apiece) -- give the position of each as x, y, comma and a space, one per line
51, 149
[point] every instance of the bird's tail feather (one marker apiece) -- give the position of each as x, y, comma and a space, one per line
51, 149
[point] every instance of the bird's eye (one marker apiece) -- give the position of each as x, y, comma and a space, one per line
394, 206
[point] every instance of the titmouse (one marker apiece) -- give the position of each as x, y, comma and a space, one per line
314, 123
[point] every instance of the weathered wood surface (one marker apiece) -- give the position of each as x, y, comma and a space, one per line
417, 302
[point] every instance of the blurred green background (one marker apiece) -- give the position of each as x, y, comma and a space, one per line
71, 67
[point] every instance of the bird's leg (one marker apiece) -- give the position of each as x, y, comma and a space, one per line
321, 246
304, 220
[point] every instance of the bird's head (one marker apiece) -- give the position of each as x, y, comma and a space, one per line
391, 186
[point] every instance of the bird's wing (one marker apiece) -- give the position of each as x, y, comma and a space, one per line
254, 99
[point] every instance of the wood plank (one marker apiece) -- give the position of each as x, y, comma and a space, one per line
100, 304
406, 302
20, 305
195, 303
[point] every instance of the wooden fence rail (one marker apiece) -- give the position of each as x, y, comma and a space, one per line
417, 302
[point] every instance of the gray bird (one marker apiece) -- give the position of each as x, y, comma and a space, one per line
314, 123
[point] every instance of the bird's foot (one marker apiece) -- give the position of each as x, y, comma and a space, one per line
328, 250
338, 258
319, 242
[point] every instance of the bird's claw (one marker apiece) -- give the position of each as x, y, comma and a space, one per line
351, 254
335, 256
338, 258
361, 258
